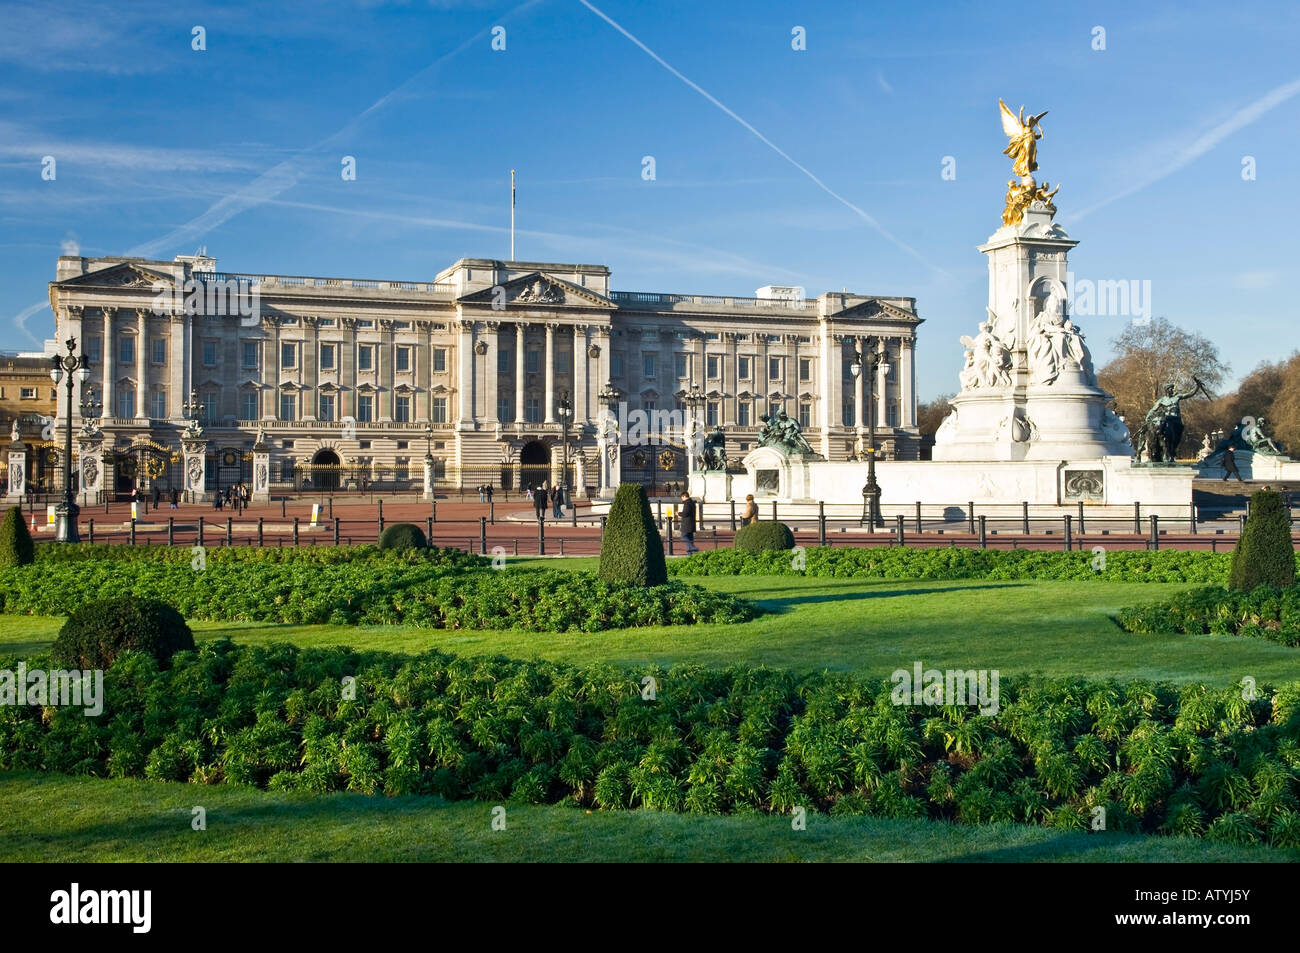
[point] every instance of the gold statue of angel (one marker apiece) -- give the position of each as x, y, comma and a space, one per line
1024, 135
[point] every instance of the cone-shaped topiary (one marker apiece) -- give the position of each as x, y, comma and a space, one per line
764, 534
402, 536
1264, 553
98, 632
632, 550
16, 547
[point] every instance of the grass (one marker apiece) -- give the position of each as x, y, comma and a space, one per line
871, 627
56, 818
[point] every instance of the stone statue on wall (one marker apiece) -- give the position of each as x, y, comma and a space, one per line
17, 432
713, 451
1162, 430
1055, 344
781, 432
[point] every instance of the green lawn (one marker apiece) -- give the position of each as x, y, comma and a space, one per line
56, 818
868, 626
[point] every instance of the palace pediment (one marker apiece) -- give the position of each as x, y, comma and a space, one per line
539, 290
875, 308
122, 275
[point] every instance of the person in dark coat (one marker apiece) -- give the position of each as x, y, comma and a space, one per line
176, 498
157, 497
686, 518
1230, 465
557, 502
539, 501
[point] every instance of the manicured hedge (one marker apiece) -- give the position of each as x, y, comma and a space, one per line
1264, 612
16, 546
98, 632
1265, 555
764, 535
901, 562
631, 549
436, 588
1185, 760
402, 536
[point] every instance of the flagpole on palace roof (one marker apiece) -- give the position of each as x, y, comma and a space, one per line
512, 214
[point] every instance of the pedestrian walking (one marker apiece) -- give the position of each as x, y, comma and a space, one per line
157, 497
557, 502
1230, 465
489, 492
686, 518
176, 498
482, 495
539, 502
750, 513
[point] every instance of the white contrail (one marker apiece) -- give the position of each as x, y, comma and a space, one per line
766, 141
1202, 145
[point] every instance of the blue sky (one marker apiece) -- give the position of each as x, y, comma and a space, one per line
161, 148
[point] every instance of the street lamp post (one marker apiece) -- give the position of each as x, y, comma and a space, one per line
874, 359
65, 514
694, 399
565, 411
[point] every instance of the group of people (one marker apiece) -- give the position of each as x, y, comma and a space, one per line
237, 496
542, 496
688, 514
485, 493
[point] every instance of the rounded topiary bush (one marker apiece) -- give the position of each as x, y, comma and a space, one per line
764, 534
402, 536
1264, 555
98, 632
16, 547
632, 550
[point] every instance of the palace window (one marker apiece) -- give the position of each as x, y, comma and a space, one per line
94, 349
533, 361
288, 358
126, 402
210, 354
848, 411
533, 410
648, 366
288, 406
893, 413
327, 322
742, 413
208, 400
505, 409
126, 350
403, 358
27, 393
402, 409
365, 357
711, 413
439, 360
248, 409
742, 368
439, 410
616, 365
503, 361
805, 415
805, 369
713, 365
365, 324
774, 368
327, 358
158, 404
249, 351
365, 408
679, 365
159, 346
326, 411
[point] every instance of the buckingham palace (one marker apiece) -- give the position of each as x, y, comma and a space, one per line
500, 371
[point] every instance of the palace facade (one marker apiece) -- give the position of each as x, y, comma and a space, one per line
353, 381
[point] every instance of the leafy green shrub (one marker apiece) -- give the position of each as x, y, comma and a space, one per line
1264, 612
16, 546
402, 536
1265, 555
764, 535
632, 551
1188, 760
97, 633
906, 562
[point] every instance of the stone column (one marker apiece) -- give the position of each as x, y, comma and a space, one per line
384, 412
859, 413
261, 473
195, 464
309, 362
907, 383
550, 373
110, 363
178, 333
521, 329
428, 477
465, 379
824, 396
882, 390
581, 398
490, 376
142, 358
17, 472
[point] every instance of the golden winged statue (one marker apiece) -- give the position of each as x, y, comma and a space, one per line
1024, 135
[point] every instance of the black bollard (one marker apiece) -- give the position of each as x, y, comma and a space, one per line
983, 531
1154, 542
1024, 517
1068, 519
541, 536
733, 516
482, 534
821, 523
970, 517
171, 530
898, 529
295, 531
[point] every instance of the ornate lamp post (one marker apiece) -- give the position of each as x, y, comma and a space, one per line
65, 514
873, 361
609, 396
565, 411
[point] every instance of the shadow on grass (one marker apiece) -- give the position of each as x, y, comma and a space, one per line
778, 605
